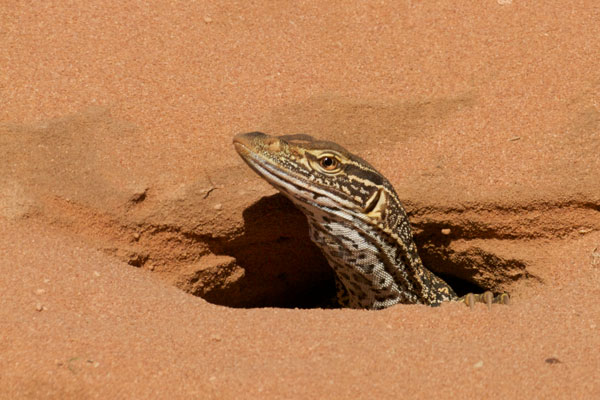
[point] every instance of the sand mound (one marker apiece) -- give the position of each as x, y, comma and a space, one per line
138, 252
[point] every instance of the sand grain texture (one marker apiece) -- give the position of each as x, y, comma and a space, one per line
121, 197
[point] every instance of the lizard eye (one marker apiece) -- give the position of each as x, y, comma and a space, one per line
329, 163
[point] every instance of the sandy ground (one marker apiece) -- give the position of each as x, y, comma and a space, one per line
140, 258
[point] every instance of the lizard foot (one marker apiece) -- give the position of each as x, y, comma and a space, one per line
487, 298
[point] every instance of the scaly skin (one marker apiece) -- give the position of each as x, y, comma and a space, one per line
355, 217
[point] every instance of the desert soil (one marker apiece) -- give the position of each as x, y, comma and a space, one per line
141, 258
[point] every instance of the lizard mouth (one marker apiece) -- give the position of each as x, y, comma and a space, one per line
241, 147
243, 151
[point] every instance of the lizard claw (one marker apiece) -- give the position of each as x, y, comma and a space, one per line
469, 300
502, 298
487, 298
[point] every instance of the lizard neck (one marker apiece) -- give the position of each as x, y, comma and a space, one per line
375, 269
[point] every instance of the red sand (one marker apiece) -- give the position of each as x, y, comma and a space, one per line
115, 140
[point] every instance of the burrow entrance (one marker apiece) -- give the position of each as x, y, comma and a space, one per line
273, 263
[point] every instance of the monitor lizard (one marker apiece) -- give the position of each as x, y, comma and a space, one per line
355, 217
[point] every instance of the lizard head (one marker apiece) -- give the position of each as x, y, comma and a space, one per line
316, 172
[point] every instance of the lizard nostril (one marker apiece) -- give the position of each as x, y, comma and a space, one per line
273, 144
